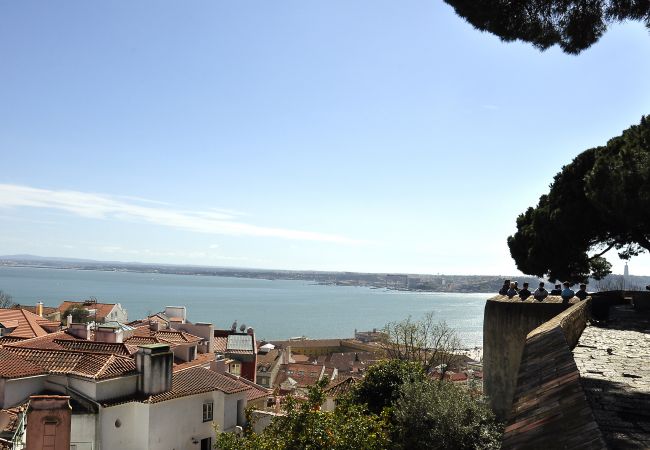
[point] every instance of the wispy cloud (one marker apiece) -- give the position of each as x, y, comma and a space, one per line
100, 206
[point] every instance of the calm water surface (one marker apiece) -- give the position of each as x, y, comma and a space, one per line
276, 309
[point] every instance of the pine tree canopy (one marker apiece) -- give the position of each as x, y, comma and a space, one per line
574, 25
598, 202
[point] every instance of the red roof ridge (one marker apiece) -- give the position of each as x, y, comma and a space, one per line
101, 371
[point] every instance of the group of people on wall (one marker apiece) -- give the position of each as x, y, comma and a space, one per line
511, 289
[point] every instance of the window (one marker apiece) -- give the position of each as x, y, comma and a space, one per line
207, 412
235, 368
206, 444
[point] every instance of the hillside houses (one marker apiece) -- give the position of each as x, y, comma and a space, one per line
150, 384
97, 311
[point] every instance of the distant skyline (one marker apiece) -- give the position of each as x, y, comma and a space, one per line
366, 136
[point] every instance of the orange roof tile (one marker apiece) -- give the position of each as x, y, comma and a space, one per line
303, 374
196, 381
202, 359
220, 343
102, 309
97, 347
176, 337
29, 325
44, 342
47, 310
88, 365
12, 366
343, 386
141, 340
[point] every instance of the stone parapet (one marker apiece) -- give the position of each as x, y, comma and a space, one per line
506, 324
550, 409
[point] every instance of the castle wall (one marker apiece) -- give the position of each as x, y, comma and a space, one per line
550, 409
506, 324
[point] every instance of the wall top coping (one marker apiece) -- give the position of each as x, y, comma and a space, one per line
531, 300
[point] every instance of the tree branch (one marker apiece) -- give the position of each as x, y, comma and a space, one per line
603, 252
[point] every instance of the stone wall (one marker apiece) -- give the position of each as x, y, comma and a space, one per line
550, 409
506, 324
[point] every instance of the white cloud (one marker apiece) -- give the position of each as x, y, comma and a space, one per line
99, 206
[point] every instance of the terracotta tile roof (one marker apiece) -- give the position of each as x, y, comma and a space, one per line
308, 343
142, 330
265, 360
176, 337
47, 310
340, 387
9, 323
348, 361
9, 340
220, 343
12, 366
304, 374
141, 340
254, 391
202, 359
97, 347
47, 342
196, 381
88, 365
102, 309
29, 325
144, 335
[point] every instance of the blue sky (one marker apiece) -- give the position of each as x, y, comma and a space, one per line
366, 136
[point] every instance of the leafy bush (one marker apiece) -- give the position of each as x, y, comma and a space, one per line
306, 427
432, 414
381, 386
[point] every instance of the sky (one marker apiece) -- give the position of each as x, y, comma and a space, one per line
372, 135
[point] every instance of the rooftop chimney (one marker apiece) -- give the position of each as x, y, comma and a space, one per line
218, 365
80, 330
48, 422
155, 363
39, 309
68, 321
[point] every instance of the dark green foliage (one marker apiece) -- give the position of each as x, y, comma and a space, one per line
574, 25
421, 414
79, 314
305, 427
440, 415
600, 201
381, 386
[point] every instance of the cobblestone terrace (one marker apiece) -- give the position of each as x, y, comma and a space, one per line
614, 364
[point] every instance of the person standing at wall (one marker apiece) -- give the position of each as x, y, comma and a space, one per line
582, 292
540, 293
567, 292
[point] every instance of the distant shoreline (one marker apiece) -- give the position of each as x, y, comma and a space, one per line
349, 279
439, 283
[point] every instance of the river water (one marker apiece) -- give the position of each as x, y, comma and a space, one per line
277, 309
